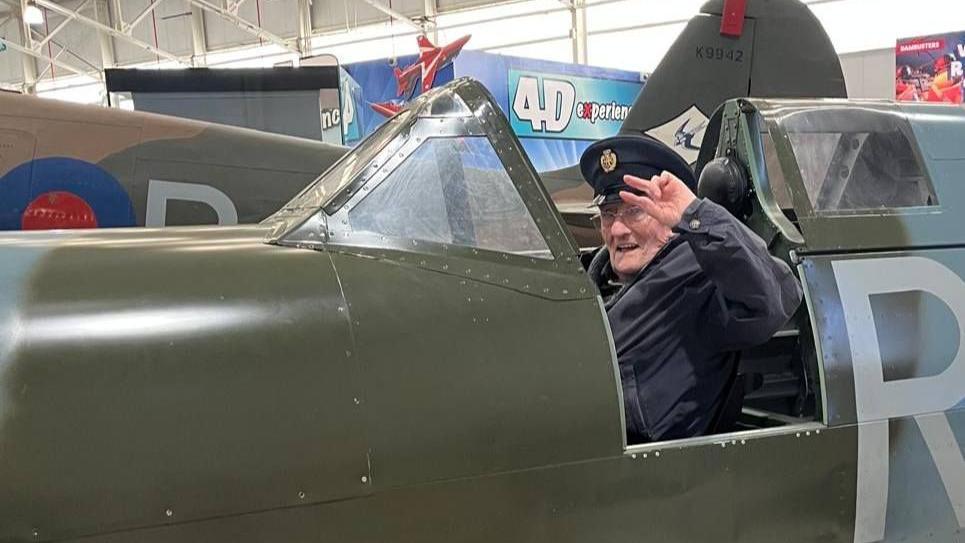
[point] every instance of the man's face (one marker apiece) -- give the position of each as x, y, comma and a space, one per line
632, 237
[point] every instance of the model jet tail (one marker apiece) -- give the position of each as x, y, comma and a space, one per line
426, 48
433, 58
781, 52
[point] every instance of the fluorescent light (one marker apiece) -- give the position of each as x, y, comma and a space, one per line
32, 15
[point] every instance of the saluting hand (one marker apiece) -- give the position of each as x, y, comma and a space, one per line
666, 197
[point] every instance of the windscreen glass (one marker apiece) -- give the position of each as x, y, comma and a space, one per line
451, 190
342, 172
775, 174
857, 159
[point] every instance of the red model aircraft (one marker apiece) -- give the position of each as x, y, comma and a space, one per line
433, 58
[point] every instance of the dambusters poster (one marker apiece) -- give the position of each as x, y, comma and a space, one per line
929, 68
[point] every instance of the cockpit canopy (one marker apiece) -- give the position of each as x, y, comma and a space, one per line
839, 174
446, 172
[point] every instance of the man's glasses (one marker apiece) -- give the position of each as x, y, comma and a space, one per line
627, 215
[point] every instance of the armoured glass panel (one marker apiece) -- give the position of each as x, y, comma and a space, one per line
857, 159
775, 175
343, 171
451, 191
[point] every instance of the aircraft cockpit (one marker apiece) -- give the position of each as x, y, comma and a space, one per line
817, 162
445, 186
817, 178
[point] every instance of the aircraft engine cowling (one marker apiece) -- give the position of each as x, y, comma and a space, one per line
157, 376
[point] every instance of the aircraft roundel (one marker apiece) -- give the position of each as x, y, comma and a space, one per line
61, 192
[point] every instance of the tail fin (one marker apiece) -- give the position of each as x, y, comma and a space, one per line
782, 52
425, 46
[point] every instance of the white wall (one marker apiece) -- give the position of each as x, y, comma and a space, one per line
870, 74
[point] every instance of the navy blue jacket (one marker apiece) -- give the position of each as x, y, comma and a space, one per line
713, 289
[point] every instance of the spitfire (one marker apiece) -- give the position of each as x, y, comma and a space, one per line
293, 378
69, 166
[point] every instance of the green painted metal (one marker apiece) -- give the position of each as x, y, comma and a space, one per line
281, 383
929, 130
695, 494
165, 376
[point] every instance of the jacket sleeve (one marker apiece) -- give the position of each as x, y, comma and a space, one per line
755, 295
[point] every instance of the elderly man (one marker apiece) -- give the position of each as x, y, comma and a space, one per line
685, 284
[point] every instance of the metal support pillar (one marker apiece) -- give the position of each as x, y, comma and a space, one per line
304, 28
199, 42
29, 64
578, 30
117, 15
430, 11
108, 54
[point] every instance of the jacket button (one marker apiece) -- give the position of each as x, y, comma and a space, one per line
694, 224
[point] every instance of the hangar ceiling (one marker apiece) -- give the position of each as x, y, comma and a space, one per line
86, 36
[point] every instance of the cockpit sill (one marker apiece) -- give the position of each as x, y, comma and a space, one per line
801, 429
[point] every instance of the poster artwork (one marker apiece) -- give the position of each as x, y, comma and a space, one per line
929, 68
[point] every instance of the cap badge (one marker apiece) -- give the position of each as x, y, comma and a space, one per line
608, 160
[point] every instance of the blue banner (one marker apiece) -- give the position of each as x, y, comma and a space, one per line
601, 96
543, 105
352, 117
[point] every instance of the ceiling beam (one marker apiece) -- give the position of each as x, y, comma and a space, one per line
233, 7
50, 35
35, 55
247, 26
64, 49
50, 66
109, 30
394, 14
93, 68
129, 27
